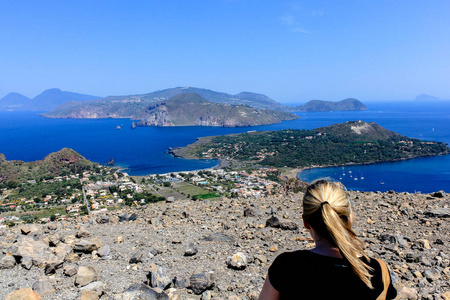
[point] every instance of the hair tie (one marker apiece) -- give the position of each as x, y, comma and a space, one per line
323, 203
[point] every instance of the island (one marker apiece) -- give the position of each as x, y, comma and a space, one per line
193, 110
353, 142
321, 105
184, 109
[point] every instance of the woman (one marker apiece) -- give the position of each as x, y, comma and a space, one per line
337, 268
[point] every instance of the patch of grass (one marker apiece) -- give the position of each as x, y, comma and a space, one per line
189, 189
206, 196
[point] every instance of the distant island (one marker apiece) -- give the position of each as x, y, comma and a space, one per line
320, 105
191, 109
428, 98
353, 142
47, 100
124, 106
64, 104
181, 110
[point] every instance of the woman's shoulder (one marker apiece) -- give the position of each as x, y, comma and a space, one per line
293, 255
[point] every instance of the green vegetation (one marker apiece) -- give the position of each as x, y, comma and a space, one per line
352, 142
205, 196
188, 189
41, 189
61, 163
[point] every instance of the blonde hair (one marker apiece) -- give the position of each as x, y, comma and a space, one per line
327, 209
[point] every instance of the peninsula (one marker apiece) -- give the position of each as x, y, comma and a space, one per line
353, 142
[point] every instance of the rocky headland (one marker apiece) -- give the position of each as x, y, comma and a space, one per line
185, 249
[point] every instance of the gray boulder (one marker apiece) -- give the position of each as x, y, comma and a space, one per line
144, 292
84, 246
37, 250
137, 257
237, 261
158, 277
7, 262
104, 251
86, 275
44, 286
191, 250
201, 282
26, 262
438, 213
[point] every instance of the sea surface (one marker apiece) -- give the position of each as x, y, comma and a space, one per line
28, 136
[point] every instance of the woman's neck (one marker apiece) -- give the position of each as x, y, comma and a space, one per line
324, 247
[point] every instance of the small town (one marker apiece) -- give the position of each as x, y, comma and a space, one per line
96, 192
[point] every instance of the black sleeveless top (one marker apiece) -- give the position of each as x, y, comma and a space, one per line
301, 273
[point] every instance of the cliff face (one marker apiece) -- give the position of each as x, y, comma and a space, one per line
193, 110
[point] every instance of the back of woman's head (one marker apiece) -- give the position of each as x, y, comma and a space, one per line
327, 209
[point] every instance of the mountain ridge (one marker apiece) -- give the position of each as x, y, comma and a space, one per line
45, 101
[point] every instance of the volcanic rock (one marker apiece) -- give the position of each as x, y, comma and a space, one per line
158, 277
86, 275
142, 291
201, 282
7, 262
44, 286
23, 294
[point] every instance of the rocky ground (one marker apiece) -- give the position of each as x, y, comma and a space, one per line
215, 249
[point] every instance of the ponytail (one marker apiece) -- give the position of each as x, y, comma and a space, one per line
327, 209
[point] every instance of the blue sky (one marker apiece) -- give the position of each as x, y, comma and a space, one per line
292, 51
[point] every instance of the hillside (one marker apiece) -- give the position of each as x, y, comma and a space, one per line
192, 110
320, 105
63, 162
185, 248
353, 142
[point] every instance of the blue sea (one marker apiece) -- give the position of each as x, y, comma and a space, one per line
28, 136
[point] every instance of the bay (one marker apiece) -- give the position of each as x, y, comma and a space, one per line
27, 136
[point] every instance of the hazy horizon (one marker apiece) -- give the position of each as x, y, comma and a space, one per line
291, 51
